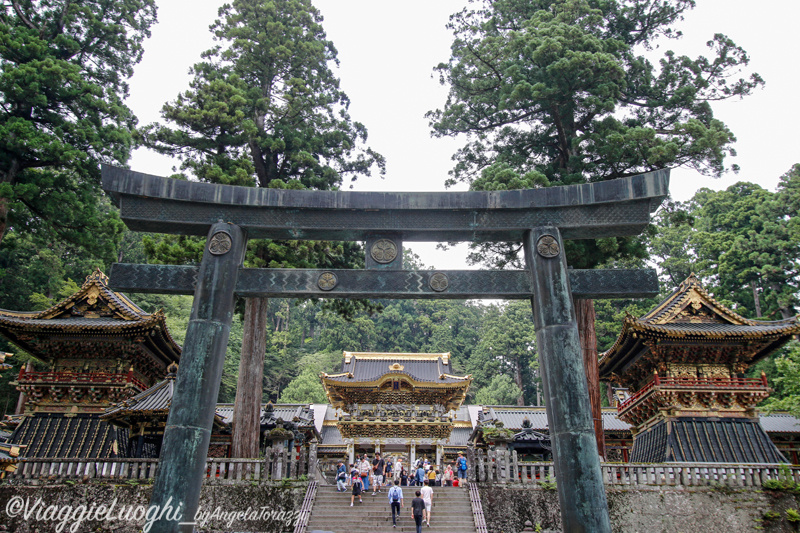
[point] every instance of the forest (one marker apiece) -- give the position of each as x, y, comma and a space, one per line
545, 92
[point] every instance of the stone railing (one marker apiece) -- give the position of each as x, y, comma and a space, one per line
503, 466
278, 464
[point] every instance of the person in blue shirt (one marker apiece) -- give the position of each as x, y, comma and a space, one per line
396, 501
341, 478
461, 466
420, 475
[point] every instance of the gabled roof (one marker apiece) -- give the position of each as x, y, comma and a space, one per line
690, 315
151, 404
396, 378
94, 312
93, 300
370, 367
57, 435
513, 417
703, 440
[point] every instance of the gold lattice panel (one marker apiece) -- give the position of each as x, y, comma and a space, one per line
442, 396
715, 371
683, 371
351, 430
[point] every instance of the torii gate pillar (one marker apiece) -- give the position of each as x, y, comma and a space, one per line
182, 464
569, 413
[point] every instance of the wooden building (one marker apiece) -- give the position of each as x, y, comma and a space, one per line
683, 366
405, 403
98, 348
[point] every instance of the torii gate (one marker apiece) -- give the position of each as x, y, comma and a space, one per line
540, 218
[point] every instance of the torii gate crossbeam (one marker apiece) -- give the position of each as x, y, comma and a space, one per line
539, 218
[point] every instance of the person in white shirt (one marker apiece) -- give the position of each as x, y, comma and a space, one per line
427, 497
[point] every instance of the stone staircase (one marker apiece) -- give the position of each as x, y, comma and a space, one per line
451, 512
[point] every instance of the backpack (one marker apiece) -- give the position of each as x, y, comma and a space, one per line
462, 463
395, 495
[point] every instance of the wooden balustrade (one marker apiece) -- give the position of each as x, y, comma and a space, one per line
276, 465
496, 466
503, 466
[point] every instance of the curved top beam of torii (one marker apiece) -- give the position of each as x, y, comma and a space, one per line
591, 210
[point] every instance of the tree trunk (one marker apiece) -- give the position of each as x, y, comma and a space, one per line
3, 217
584, 310
756, 299
247, 409
518, 381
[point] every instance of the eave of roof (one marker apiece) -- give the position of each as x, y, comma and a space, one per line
660, 325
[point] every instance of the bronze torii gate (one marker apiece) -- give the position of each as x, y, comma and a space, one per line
539, 218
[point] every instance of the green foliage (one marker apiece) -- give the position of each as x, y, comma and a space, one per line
548, 484
555, 92
305, 388
494, 434
62, 86
264, 108
792, 516
771, 515
37, 270
506, 355
788, 380
501, 390
560, 88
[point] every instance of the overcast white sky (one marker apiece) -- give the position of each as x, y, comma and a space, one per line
387, 51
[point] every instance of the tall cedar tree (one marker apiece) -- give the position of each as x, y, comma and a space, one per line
62, 85
264, 109
556, 92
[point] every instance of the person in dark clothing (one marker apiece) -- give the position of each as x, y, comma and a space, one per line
378, 468
418, 510
403, 477
357, 487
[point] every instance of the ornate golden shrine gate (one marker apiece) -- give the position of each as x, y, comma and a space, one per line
539, 218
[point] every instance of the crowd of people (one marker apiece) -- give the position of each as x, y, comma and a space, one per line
380, 474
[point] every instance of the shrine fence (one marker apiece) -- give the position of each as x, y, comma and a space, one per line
504, 466
277, 465
36, 471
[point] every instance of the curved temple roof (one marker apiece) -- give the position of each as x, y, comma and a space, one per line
378, 378
690, 315
95, 310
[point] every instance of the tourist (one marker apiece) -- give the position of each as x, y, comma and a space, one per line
420, 475
427, 497
341, 478
431, 476
461, 467
438, 482
396, 501
418, 511
378, 468
403, 477
387, 473
358, 487
363, 470
448, 476
398, 467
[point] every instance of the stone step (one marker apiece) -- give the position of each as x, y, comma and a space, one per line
404, 523
451, 512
